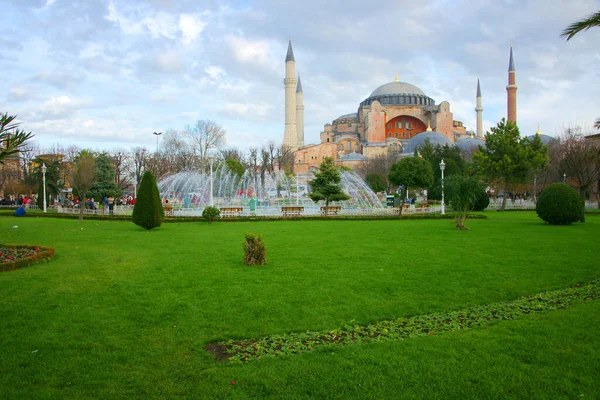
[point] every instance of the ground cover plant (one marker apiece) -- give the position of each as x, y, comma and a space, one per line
403, 328
133, 321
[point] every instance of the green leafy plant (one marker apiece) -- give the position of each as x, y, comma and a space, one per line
463, 193
483, 200
405, 328
559, 204
254, 250
210, 213
148, 211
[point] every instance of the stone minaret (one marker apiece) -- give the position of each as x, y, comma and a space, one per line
479, 111
290, 137
511, 89
300, 113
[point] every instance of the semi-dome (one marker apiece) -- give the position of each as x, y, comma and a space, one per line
347, 116
470, 143
353, 157
434, 138
396, 87
544, 138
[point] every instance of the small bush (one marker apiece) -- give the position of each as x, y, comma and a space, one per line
482, 202
210, 213
254, 250
559, 204
148, 211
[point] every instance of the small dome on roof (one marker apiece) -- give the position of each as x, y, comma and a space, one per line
434, 138
353, 157
470, 143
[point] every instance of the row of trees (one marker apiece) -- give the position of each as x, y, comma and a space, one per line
122, 170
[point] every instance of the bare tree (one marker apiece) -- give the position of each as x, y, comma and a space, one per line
285, 159
83, 178
580, 160
140, 162
176, 153
120, 160
232, 154
205, 136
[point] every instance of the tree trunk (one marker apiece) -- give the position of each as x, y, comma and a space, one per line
81, 208
504, 198
582, 197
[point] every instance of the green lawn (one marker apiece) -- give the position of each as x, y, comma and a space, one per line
121, 312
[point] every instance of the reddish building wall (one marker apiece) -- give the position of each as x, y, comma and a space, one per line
404, 127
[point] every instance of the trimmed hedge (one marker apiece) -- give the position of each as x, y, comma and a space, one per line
41, 254
148, 211
403, 328
482, 202
559, 204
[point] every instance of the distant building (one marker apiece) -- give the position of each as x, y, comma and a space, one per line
396, 118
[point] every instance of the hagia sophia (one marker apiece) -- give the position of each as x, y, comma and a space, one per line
396, 118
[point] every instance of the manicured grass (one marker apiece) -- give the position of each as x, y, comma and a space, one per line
121, 312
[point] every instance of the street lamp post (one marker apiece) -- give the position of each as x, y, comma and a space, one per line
44, 169
564, 177
442, 167
157, 135
211, 160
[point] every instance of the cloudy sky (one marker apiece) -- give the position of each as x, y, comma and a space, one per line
107, 73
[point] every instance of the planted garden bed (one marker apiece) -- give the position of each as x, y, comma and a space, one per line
15, 257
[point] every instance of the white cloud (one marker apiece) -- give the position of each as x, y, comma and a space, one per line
191, 27
249, 51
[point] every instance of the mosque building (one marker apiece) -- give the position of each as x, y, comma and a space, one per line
396, 118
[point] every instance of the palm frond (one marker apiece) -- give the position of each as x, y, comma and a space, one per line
580, 26
597, 124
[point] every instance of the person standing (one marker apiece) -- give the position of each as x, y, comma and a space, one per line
111, 205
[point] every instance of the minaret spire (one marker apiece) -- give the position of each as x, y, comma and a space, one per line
300, 113
290, 137
511, 89
290, 53
479, 111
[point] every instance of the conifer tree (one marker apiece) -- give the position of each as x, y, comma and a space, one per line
148, 211
326, 185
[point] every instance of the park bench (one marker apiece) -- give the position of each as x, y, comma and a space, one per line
231, 211
330, 210
292, 211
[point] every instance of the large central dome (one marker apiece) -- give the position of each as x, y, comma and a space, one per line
399, 94
396, 87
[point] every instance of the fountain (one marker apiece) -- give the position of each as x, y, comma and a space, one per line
259, 194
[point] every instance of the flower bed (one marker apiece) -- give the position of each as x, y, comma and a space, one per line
15, 257
403, 328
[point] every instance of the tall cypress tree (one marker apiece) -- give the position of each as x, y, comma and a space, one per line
148, 211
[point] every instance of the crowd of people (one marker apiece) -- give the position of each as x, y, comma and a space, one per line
16, 201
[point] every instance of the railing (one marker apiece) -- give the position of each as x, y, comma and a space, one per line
522, 204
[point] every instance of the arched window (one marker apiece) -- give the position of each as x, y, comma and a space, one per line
356, 148
396, 134
340, 147
328, 139
403, 123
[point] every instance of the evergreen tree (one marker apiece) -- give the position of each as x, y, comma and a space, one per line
148, 211
508, 158
326, 185
411, 172
105, 185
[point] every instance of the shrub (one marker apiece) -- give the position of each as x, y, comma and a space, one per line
254, 250
210, 213
483, 200
148, 211
462, 193
559, 204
